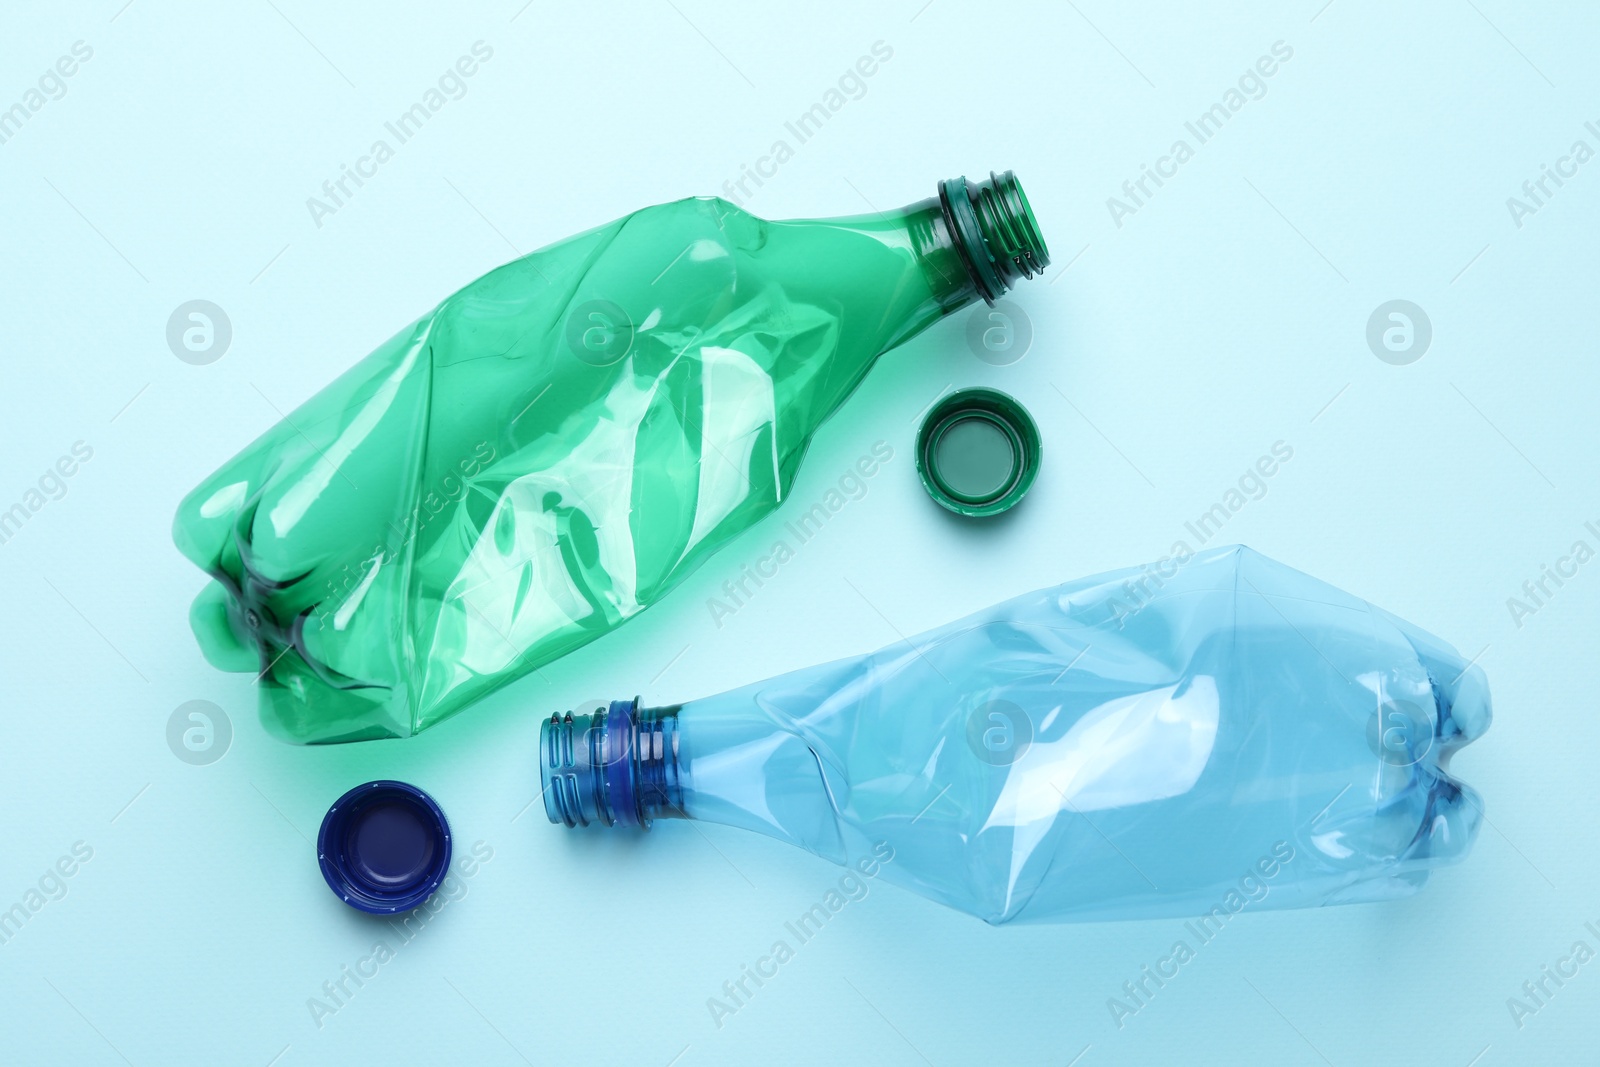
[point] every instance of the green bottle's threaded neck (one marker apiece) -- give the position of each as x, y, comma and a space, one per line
995, 232
1010, 228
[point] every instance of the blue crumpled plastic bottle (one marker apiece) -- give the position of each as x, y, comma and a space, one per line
1196, 737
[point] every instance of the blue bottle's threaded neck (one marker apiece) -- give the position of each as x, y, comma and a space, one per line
616, 766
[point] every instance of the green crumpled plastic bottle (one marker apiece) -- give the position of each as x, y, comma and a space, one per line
557, 445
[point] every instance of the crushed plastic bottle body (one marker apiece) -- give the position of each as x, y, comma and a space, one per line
1229, 733
552, 449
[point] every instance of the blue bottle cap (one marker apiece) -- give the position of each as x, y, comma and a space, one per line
384, 847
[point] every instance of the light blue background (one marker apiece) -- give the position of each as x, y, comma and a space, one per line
1227, 314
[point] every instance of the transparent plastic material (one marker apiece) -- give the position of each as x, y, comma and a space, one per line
558, 444
1211, 732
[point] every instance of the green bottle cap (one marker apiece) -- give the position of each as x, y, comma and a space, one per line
978, 452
